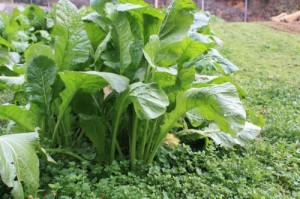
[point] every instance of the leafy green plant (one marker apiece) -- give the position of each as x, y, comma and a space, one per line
129, 64
127, 87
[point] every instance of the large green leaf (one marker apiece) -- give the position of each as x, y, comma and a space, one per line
6, 43
127, 37
213, 60
177, 44
98, 5
20, 46
219, 103
180, 52
165, 76
38, 49
41, 74
140, 6
205, 80
95, 129
9, 59
150, 19
23, 117
194, 117
72, 45
149, 100
88, 82
96, 33
102, 46
249, 133
151, 50
128, 7
19, 163
201, 20
36, 16
3, 21
177, 22
100, 20
200, 30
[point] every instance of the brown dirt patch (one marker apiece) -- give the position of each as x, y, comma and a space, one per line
287, 27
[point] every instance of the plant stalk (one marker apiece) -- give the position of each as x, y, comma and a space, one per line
69, 153
144, 139
115, 130
60, 117
149, 144
164, 129
133, 142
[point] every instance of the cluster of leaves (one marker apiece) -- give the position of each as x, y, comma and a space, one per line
122, 75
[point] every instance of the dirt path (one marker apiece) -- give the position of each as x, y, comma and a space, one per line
287, 27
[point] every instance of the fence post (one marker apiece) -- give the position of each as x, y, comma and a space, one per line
203, 5
156, 3
246, 11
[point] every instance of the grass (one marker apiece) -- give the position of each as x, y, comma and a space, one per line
263, 54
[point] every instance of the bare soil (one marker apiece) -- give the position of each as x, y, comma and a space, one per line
287, 27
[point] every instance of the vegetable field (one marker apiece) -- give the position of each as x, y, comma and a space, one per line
122, 100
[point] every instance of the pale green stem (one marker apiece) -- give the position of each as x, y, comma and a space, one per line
69, 153
133, 142
119, 149
164, 129
114, 134
147, 73
144, 139
150, 140
60, 117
